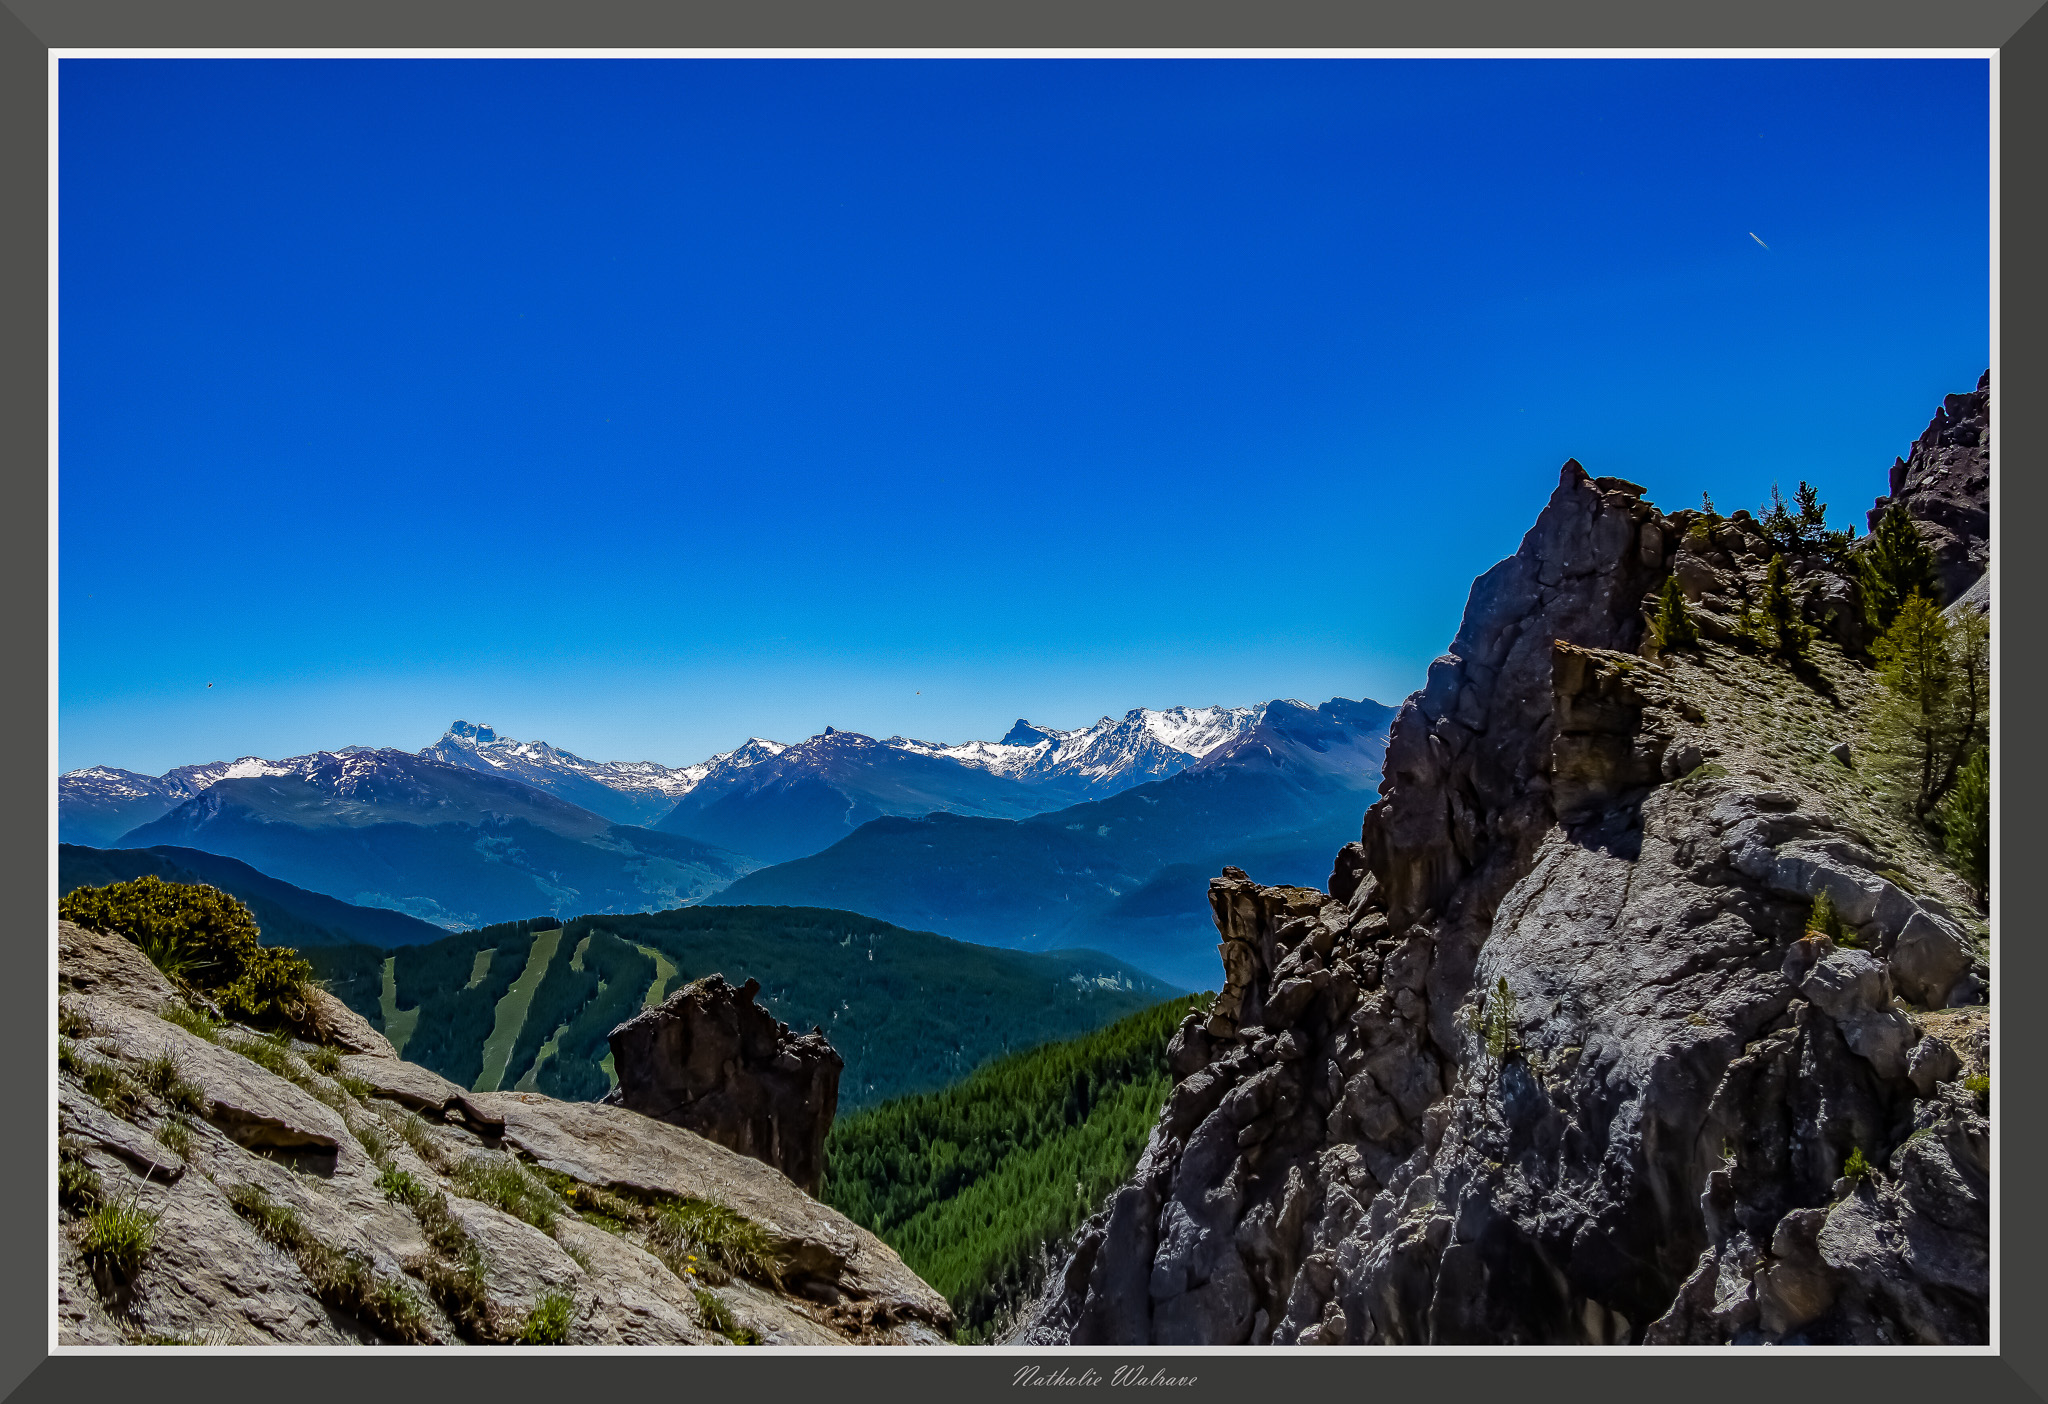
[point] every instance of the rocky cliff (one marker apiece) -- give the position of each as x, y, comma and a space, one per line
221, 1186
1553, 1059
1945, 482
708, 1058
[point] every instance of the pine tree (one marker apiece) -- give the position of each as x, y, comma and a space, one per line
1937, 700
1966, 822
1673, 626
1790, 635
1894, 565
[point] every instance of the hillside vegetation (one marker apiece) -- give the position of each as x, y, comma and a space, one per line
975, 1186
909, 1011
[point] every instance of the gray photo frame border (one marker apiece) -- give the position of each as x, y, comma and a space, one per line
29, 29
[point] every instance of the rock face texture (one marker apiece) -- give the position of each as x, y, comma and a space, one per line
376, 1203
1945, 482
709, 1059
1553, 1059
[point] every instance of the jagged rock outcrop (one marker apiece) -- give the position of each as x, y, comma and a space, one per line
375, 1202
709, 1059
1553, 1059
1945, 482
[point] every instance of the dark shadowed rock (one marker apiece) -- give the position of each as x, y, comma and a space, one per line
710, 1060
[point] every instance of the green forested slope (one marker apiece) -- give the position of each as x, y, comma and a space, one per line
907, 1010
972, 1183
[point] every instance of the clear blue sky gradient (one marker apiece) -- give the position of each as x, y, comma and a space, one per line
645, 406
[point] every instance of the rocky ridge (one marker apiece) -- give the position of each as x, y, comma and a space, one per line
1552, 1059
330, 1193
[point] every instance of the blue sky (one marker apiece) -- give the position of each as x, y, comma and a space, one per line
644, 406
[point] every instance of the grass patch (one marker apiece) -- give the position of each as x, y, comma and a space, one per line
110, 1086
325, 1060
696, 1236
192, 1021
612, 1212
1701, 773
175, 1136
72, 1024
118, 1237
271, 1053
718, 1316
455, 1272
1980, 1085
548, 1322
505, 1184
78, 1184
343, 1280
414, 1132
164, 1077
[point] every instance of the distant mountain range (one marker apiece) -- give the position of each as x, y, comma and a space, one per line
441, 842
100, 804
481, 828
1127, 875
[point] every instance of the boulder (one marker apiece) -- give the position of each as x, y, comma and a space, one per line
330, 1021
709, 1059
111, 967
617, 1149
1928, 959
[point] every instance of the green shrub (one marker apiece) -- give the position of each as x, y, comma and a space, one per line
1855, 1167
72, 1024
1966, 823
1790, 635
1500, 1021
1980, 1085
118, 1236
548, 1322
1893, 566
1672, 626
202, 938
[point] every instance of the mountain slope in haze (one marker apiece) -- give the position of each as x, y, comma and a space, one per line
909, 1011
442, 842
285, 915
1127, 875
